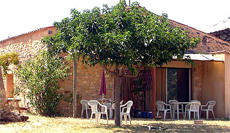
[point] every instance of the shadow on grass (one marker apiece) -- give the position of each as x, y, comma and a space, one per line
167, 127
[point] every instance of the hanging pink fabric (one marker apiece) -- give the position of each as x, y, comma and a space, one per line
103, 84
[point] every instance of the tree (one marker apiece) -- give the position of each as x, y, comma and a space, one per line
121, 39
7, 59
39, 81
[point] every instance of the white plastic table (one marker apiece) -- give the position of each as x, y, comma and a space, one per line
104, 101
177, 105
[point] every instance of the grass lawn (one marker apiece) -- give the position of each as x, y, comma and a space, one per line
37, 124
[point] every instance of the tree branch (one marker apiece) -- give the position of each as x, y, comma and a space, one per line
109, 71
122, 71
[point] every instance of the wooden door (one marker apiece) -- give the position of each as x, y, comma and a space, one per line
10, 85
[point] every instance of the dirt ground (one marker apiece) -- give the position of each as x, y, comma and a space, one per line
38, 124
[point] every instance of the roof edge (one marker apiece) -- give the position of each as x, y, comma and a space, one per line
1, 41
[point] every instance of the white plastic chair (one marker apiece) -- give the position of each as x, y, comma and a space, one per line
162, 106
125, 111
113, 105
208, 107
85, 107
174, 104
199, 107
193, 106
196, 101
109, 107
98, 109
94, 106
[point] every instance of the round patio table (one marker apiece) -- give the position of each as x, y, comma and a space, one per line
108, 103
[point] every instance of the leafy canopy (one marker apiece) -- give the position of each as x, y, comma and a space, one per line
7, 59
126, 38
120, 36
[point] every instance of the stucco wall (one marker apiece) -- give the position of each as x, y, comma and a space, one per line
214, 86
227, 85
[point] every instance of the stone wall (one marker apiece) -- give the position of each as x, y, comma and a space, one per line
25, 45
88, 86
88, 78
197, 82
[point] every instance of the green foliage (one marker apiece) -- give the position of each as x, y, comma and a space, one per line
7, 59
120, 36
69, 98
40, 77
125, 37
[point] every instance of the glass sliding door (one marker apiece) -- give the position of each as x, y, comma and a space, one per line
178, 84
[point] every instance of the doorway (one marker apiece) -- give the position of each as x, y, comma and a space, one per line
139, 90
178, 84
10, 85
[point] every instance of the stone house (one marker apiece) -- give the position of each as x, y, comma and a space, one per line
207, 80
28, 45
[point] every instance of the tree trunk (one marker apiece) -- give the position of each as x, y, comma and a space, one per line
2, 91
1, 80
7, 116
118, 83
74, 87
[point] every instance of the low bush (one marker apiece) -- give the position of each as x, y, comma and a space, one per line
39, 81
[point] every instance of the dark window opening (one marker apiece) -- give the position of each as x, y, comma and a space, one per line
178, 84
